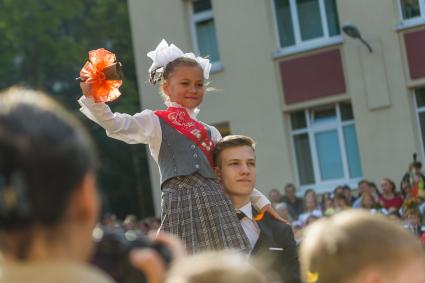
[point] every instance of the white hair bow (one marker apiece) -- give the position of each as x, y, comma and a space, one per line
164, 54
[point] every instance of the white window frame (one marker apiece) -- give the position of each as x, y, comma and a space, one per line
408, 23
419, 110
299, 44
200, 17
324, 185
421, 9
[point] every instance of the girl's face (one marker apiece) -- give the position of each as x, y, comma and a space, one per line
185, 86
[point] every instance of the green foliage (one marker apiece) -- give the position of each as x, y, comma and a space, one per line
44, 44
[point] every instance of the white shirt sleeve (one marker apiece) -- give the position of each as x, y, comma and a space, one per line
142, 127
258, 199
215, 134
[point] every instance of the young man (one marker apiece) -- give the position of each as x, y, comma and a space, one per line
270, 240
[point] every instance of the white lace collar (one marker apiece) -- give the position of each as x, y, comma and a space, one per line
192, 112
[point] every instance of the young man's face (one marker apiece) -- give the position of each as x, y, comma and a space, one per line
237, 170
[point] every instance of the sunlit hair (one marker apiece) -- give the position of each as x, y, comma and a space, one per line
339, 248
215, 267
230, 142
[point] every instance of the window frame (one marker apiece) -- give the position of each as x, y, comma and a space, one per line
200, 17
311, 130
300, 45
415, 19
418, 122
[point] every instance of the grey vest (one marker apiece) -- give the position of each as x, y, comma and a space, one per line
179, 156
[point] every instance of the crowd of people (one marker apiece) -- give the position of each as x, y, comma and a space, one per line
406, 205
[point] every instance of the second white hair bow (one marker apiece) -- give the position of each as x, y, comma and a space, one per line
164, 54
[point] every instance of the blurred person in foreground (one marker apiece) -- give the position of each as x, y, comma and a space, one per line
215, 267
357, 247
270, 240
48, 199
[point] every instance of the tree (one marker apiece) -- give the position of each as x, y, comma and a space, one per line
45, 44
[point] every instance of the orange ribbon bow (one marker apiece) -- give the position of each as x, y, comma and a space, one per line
100, 88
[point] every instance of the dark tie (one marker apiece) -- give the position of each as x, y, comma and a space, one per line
240, 214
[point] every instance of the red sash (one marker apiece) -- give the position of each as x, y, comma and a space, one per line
179, 119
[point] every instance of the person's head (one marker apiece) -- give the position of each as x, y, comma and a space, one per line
274, 195
355, 246
413, 216
347, 192
339, 190
290, 190
310, 199
362, 185
235, 165
47, 183
340, 201
215, 267
367, 201
388, 186
182, 82
326, 201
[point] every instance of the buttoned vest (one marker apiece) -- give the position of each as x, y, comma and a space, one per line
179, 156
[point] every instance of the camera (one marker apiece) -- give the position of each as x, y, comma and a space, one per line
113, 246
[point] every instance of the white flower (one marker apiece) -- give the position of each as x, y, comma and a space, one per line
164, 54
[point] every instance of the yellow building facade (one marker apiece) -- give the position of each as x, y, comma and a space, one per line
323, 108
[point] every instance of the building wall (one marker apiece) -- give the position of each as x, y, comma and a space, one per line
249, 90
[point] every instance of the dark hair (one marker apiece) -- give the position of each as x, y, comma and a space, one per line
229, 142
44, 155
290, 185
158, 76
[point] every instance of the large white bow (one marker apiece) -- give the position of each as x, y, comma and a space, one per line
164, 54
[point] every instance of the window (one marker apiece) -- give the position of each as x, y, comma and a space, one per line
411, 9
223, 128
203, 30
420, 110
302, 21
325, 144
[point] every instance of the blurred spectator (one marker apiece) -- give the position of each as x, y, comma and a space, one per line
48, 202
356, 247
413, 221
340, 202
389, 199
295, 204
311, 207
327, 204
348, 195
369, 203
412, 183
274, 197
362, 186
215, 267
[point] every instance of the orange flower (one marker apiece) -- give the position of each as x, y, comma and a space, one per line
259, 216
99, 88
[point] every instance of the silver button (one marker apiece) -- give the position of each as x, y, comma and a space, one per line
195, 155
193, 146
197, 166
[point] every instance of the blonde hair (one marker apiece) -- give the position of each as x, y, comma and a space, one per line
338, 248
215, 267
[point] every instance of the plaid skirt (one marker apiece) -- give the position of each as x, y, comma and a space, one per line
197, 210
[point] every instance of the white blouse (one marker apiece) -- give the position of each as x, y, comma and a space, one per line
144, 127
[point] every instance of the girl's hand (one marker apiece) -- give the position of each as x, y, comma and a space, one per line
269, 209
